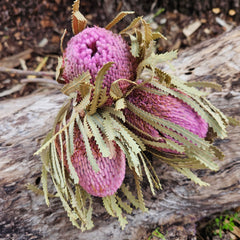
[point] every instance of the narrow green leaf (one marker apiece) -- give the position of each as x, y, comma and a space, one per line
74, 85
44, 184
122, 220
132, 25
148, 174
157, 35
147, 33
129, 195
124, 205
135, 46
120, 104
98, 136
72, 170
139, 193
98, 87
90, 156
192, 176
213, 85
108, 206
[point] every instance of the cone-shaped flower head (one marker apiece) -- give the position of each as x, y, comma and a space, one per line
90, 49
111, 173
165, 107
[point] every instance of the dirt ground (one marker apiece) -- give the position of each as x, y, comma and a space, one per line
30, 33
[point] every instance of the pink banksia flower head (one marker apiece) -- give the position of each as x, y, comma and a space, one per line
165, 107
90, 49
111, 172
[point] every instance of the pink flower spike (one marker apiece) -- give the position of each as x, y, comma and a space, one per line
91, 49
166, 107
111, 172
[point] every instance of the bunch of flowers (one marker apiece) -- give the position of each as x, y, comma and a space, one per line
120, 106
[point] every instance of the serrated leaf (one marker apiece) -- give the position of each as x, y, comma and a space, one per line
108, 206
120, 104
115, 91
139, 193
71, 137
131, 139
59, 69
177, 160
98, 136
173, 146
62, 162
203, 110
72, 170
114, 112
122, 220
148, 174
205, 157
118, 18
108, 128
79, 22
89, 222
181, 86
45, 154
98, 87
129, 195
149, 49
56, 171
103, 97
74, 85
192, 176
124, 205
233, 121
167, 126
154, 175
157, 35
164, 57
213, 85
72, 216
135, 47
147, 33
133, 24
163, 76
83, 104
44, 184
217, 152
90, 156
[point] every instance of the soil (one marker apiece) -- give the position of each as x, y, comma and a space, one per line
30, 34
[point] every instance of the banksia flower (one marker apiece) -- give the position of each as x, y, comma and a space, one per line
111, 173
164, 107
90, 49
121, 105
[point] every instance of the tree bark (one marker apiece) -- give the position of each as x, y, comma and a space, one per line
25, 121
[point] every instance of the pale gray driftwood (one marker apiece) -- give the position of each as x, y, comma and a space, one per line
25, 121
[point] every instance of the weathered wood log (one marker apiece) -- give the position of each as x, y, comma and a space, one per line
25, 121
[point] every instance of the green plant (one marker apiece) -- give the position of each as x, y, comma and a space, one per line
226, 222
157, 234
